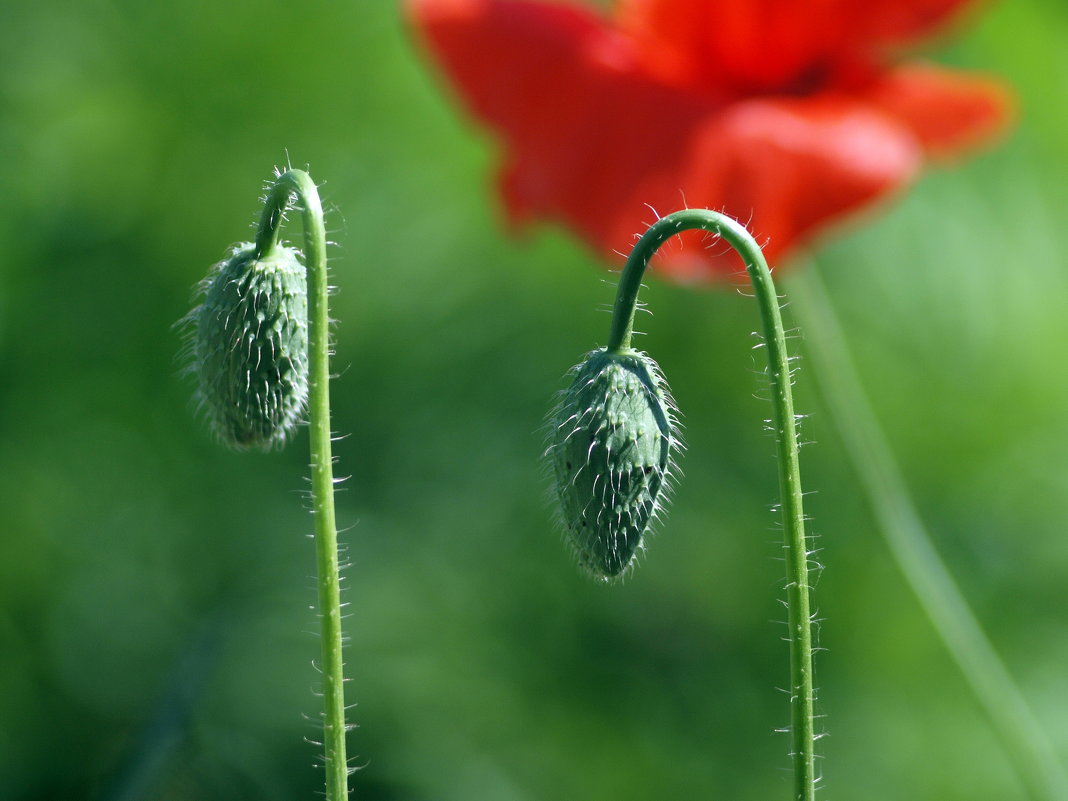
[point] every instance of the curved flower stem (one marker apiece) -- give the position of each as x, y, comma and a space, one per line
802, 694
288, 184
911, 546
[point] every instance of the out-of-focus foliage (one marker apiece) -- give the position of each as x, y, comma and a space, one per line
155, 633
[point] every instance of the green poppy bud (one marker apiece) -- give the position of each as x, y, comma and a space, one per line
250, 346
613, 437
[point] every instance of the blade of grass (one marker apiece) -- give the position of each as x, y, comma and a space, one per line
900, 524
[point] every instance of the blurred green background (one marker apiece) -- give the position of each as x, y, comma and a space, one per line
156, 636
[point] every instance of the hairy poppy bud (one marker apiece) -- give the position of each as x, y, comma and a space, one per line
251, 346
613, 438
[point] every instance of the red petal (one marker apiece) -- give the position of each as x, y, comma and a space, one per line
582, 127
949, 112
897, 22
789, 169
737, 48
511, 59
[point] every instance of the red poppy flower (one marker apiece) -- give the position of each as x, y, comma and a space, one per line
787, 114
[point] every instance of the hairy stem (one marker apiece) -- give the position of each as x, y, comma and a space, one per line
299, 183
910, 544
802, 694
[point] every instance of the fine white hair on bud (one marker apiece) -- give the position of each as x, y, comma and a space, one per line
250, 346
613, 437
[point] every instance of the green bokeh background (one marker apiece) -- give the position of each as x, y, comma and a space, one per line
156, 640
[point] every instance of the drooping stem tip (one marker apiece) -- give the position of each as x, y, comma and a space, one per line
802, 693
288, 184
262, 351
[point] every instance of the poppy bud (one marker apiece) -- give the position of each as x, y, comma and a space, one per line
250, 346
613, 437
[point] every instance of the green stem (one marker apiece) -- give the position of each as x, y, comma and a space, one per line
299, 183
911, 547
802, 694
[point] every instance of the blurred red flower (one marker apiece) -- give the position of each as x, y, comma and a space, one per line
787, 114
